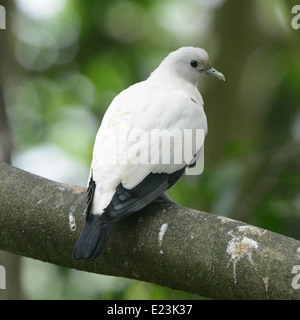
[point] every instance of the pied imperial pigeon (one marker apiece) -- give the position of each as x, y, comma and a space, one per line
131, 167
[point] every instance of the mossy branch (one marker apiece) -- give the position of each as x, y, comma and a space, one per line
166, 244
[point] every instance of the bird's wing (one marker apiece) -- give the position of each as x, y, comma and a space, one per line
174, 116
122, 188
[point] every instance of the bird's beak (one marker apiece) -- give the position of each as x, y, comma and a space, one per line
215, 73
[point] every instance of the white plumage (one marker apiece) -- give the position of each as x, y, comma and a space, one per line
168, 99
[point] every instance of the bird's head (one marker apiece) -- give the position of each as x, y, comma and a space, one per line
190, 64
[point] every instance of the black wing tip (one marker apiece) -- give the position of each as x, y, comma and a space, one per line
90, 195
126, 201
95, 232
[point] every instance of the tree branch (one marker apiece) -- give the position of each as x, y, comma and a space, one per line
202, 253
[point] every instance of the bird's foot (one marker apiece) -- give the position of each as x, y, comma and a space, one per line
164, 198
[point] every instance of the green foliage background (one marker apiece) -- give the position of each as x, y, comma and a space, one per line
65, 64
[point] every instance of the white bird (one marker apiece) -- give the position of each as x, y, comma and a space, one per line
120, 183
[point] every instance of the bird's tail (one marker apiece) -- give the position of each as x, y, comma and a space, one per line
93, 238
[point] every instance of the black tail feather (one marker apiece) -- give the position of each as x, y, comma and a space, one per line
93, 238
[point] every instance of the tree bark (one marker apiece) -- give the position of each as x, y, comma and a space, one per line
12, 262
166, 244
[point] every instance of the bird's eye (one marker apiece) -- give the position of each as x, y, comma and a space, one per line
194, 63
